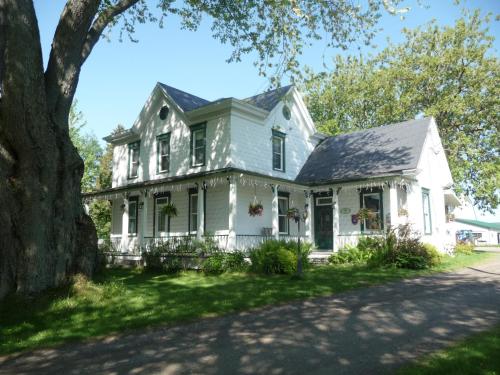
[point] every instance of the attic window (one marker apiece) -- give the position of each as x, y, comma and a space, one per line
163, 112
286, 112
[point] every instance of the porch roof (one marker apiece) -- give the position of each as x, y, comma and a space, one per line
366, 154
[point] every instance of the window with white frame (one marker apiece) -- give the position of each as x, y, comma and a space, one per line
161, 217
426, 202
371, 202
193, 210
133, 159
278, 151
198, 142
283, 202
163, 152
133, 205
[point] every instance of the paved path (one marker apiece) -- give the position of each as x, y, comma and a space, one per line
367, 331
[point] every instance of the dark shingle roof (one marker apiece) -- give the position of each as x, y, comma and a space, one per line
481, 224
268, 99
184, 100
367, 153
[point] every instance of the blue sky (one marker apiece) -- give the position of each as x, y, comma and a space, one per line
118, 77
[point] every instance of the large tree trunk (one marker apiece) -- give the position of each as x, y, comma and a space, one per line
45, 235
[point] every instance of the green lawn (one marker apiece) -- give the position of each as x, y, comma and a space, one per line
479, 354
126, 299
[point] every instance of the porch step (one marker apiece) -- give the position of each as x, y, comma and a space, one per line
319, 257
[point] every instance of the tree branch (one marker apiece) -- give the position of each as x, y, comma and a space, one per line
63, 68
100, 24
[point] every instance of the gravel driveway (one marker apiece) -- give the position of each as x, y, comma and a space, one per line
366, 331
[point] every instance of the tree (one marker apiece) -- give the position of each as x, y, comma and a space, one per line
45, 234
100, 210
450, 73
88, 148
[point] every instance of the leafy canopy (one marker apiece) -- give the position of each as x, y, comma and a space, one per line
450, 73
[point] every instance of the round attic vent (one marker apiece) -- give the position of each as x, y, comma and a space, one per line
163, 112
286, 112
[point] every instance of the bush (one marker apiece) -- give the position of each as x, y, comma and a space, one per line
351, 255
278, 257
213, 265
402, 248
234, 262
463, 248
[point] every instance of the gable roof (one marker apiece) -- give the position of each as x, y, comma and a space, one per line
187, 102
268, 100
367, 153
481, 224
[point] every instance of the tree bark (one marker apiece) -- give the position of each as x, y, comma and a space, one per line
45, 235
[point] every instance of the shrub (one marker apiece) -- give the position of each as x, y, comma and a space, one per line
278, 257
172, 264
402, 248
234, 262
463, 248
213, 265
351, 255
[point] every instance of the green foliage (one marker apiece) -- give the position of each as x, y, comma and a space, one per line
402, 248
88, 148
124, 299
478, 354
350, 255
234, 262
448, 72
278, 257
214, 264
463, 248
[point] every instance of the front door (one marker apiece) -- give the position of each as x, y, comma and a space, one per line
323, 222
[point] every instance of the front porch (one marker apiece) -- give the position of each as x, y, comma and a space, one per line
216, 208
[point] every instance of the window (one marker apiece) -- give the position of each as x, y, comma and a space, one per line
163, 112
278, 151
283, 213
372, 201
426, 202
324, 201
132, 215
163, 152
198, 140
162, 220
133, 159
193, 210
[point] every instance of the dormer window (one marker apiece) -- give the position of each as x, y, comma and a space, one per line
278, 140
198, 141
133, 159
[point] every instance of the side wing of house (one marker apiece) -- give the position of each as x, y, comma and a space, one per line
426, 200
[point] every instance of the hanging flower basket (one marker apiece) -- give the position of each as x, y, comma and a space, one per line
255, 209
169, 209
366, 214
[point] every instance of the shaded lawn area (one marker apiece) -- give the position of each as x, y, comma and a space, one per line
478, 354
123, 299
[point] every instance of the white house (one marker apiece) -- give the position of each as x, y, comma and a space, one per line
213, 159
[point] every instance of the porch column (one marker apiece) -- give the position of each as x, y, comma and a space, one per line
144, 220
308, 223
233, 203
124, 240
201, 212
393, 206
275, 220
336, 218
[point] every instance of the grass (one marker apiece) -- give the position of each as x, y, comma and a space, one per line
478, 354
123, 299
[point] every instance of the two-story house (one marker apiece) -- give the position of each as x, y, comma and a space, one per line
212, 159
